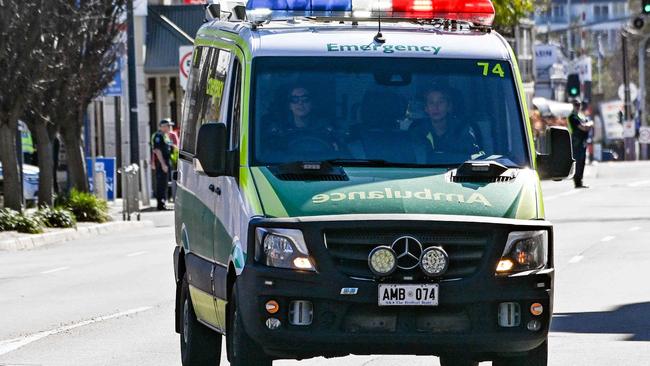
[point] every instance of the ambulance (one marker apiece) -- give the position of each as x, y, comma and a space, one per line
359, 177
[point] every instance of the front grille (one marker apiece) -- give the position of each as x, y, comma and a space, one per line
350, 249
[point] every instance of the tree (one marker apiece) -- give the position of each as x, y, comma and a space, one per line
91, 52
509, 12
40, 106
22, 61
88, 43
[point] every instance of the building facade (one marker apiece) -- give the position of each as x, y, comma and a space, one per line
602, 21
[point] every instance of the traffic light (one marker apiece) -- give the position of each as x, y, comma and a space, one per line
573, 86
646, 6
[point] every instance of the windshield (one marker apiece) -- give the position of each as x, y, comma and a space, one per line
428, 112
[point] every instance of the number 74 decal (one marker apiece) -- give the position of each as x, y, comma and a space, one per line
496, 69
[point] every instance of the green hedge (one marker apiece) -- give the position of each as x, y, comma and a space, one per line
8, 219
29, 224
86, 207
56, 217
77, 206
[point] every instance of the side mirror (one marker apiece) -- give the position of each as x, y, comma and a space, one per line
211, 149
558, 164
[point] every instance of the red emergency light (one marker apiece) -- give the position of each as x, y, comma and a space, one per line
479, 12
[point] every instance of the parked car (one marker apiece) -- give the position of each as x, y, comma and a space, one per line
30, 182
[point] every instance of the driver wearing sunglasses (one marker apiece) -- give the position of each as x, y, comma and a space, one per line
304, 131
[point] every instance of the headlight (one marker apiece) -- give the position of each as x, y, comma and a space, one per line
525, 250
434, 261
382, 261
282, 248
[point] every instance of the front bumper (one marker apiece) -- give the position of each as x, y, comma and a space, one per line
466, 320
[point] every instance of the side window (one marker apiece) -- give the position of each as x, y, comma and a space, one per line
189, 115
215, 87
196, 99
235, 107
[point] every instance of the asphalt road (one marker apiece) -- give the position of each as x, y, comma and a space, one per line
109, 300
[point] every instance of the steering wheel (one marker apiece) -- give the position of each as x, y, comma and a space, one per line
309, 144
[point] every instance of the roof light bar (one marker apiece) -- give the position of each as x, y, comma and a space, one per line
478, 12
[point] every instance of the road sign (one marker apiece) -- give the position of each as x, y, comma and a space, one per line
583, 68
114, 89
184, 64
107, 165
644, 135
634, 92
629, 129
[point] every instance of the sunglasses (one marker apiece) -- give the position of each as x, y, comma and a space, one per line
295, 99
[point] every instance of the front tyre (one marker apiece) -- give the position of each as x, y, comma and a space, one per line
200, 346
536, 357
457, 360
242, 350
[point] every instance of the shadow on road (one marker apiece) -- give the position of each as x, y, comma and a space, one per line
632, 319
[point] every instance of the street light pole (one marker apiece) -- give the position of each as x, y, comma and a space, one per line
133, 97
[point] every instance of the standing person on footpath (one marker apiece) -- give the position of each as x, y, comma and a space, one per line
162, 151
579, 127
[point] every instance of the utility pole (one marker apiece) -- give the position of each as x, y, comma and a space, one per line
630, 148
569, 41
133, 97
643, 46
600, 64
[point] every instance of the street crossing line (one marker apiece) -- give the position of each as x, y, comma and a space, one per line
576, 259
59, 269
608, 238
136, 253
642, 183
11, 345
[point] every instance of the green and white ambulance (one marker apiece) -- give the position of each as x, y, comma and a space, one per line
350, 185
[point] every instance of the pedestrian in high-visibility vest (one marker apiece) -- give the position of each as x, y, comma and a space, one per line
579, 127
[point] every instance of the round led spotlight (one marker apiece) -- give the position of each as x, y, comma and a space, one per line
434, 261
382, 261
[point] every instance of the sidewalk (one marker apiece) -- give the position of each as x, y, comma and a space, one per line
14, 241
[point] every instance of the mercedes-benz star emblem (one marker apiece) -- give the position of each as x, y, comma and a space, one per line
408, 250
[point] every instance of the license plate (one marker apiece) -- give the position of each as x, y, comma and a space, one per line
408, 295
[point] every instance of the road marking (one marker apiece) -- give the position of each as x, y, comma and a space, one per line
608, 238
13, 344
563, 194
576, 259
136, 253
59, 269
635, 228
640, 183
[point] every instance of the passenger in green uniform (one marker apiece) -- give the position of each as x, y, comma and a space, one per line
443, 131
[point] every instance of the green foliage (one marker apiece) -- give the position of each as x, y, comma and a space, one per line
56, 217
86, 207
508, 12
8, 219
29, 225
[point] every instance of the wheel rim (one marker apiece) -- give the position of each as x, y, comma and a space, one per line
186, 321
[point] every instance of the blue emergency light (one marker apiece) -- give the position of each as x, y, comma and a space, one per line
478, 12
